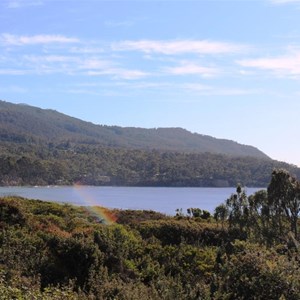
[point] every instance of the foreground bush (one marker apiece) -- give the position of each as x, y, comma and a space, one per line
53, 251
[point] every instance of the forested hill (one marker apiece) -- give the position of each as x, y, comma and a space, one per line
44, 147
21, 123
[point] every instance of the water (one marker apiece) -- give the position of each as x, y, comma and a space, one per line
161, 199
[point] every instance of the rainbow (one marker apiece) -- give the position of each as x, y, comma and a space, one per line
101, 213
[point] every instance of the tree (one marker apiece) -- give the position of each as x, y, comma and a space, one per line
221, 213
260, 214
284, 199
238, 209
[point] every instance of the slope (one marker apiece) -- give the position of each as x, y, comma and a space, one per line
27, 124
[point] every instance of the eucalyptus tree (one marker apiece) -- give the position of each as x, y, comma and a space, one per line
258, 212
284, 200
221, 213
238, 208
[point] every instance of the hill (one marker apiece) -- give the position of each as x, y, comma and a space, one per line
44, 147
23, 123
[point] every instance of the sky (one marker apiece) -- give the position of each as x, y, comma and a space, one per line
229, 69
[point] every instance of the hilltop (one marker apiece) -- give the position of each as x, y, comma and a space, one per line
22, 123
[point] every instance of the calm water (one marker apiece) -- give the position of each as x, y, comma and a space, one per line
165, 200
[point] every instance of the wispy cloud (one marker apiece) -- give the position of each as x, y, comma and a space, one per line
84, 91
86, 50
190, 68
50, 64
20, 40
118, 24
49, 58
119, 73
179, 47
14, 72
68, 65
71, 56
150, 85
207, 90
284, 1
287, 65
23, 3
98, 67
95, 64
196, 87
12, 89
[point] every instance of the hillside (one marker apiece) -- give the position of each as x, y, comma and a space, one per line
23, 123
44, 147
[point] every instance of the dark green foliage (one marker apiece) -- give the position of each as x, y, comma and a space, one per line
11, 213
221, 213
136, 216
52, 251
69, 258
284, 199
254, 272
60, 250
96, 165
267, 216
173, 232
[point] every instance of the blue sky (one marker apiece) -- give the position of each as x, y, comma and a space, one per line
230, 69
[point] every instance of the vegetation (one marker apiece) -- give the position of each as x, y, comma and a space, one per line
248, 250
69, 163
44, 147
26, 124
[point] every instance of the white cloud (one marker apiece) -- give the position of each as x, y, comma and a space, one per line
196, 87
118, 24
233, 92
152, 85
95, 63
12, 89
50, 58
137, 85
207, 90
178, 47
69, 65
287, 65
13, 72
83, 91
119, 73
15, 40
23, 3
86, 50
49, 64
190, 68
284, 1
40, 64
98, 67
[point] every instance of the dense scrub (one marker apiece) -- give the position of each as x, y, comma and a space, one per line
54, 251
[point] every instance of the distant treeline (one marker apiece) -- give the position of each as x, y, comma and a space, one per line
68, 163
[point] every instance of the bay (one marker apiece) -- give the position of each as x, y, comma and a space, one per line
161, 199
